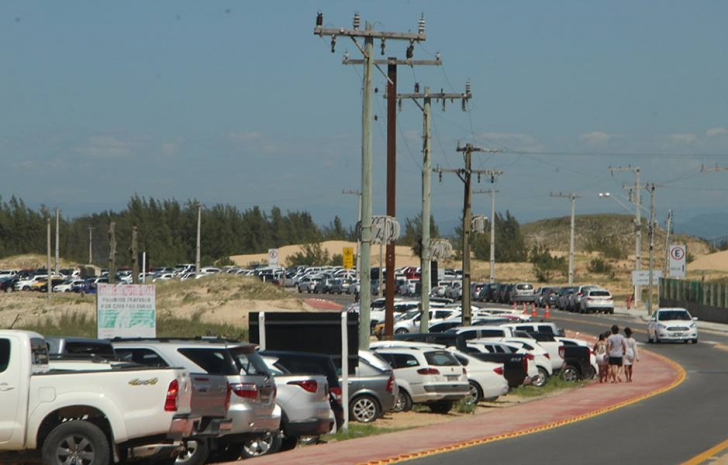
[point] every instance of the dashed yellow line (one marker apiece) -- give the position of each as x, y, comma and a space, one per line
536, 429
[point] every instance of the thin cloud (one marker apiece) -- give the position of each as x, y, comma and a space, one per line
596, 137
513, 141
712, 132
104, 147
686, 138
245, 138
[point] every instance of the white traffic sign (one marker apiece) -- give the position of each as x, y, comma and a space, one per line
642, 277
677, 261
272, 257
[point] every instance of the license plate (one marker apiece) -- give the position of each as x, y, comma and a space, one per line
675, 334
452, 377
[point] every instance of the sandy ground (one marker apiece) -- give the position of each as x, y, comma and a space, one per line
716, 261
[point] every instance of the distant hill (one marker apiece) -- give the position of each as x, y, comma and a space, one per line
614, 229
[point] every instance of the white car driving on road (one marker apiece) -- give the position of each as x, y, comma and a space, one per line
672, 324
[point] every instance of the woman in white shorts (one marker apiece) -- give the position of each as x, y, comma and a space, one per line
630, 355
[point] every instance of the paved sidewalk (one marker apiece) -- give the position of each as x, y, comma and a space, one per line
654, 375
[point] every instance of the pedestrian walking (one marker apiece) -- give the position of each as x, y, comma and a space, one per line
616, 347
600, 349
630, 355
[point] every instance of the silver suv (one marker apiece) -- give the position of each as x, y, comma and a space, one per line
522, 292
253, 408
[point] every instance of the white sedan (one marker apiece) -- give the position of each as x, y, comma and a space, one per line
485, 378
672, 324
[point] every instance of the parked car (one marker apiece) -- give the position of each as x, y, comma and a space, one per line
577, 297
672, 324
537, 327
253, 410
7, 284
372, 389
71, 416
485, 378
564, 298
521, 293
304, 401
426, 376
597, 301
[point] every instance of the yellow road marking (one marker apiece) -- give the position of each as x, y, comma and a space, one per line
536, 429
698, 459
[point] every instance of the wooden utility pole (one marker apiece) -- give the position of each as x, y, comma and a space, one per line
426, 256
651, 189
465, 176
112, 252
573, 198
134, 255
368, 35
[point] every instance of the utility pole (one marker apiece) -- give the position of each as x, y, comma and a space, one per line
668, 223
58, 261
197, 248
392, 97
425, 255
358, 222
465, 176
637, 224
134, 255
491, 192
651, 189
112, 252
368, 34
90, 244
48, 262
573, 198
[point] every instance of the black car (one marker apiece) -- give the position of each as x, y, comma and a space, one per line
6, 284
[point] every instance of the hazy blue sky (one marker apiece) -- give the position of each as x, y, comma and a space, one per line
239, 103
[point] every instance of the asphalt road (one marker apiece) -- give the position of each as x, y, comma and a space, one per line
667, 429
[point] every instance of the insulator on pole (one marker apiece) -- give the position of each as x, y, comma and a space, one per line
319, 19
356, 21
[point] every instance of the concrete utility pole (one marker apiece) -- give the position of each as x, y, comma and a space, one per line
112, 252
58, 257
392, 64
134, 255
90, 244
358, 222
651, 189
637, 224
573, 198
465, 176
425, 258
369, 35
491, 192
197, 248
668, 223
48, 262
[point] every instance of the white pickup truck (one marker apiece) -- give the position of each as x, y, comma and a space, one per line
88, 417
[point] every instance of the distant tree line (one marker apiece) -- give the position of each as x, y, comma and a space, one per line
167, 231
510, 244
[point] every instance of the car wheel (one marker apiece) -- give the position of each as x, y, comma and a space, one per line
570, 374
403, 402
540, 379
695, 341
76, 441
657, 338
441, 406
300, 291
364, 409
257, 446
195, 453
475, 394
401, 331
288, 443
649, 338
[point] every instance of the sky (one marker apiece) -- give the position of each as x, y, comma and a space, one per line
240, 103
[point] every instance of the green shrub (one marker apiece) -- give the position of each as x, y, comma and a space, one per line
599, 265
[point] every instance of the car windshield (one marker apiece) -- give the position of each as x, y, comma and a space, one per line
600, 294
408, 315
673, 315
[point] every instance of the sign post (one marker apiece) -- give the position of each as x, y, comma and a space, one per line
272, 257
677, 261
348, 254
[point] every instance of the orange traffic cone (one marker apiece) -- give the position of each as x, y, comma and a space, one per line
533, 311
547, 313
